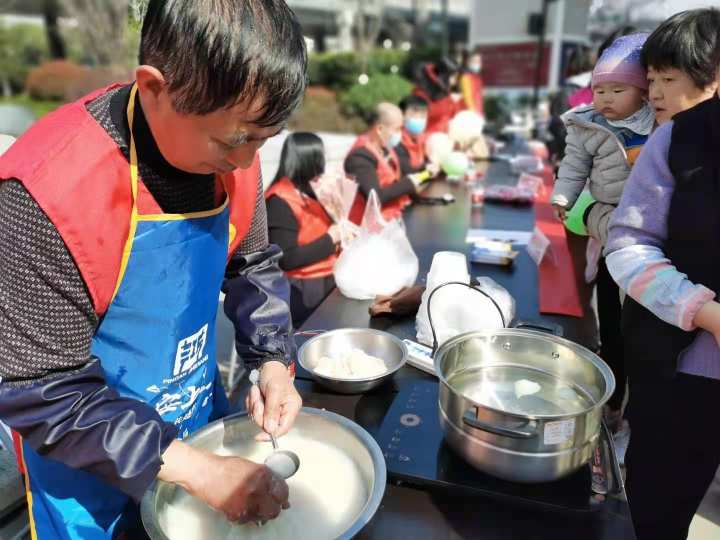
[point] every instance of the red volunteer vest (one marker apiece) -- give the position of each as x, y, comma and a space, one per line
314, 222
388, 172
80, 178
415, 146
440, 111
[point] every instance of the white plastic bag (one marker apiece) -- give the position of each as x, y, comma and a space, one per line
526, 164
438, 146
454, 308
500, 294
379, 261
465, 128
336, 193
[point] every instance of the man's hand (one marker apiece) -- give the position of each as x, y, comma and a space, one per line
708, 318
419, 178
242, 490
560, 212
273, 403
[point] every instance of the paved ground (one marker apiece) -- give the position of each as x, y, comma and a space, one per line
706, 525
336, 147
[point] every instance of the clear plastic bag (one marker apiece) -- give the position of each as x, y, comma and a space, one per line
379, 260
455, 310
336, 193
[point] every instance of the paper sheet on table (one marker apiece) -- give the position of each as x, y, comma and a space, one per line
514, 237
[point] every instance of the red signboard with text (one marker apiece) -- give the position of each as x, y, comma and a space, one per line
513, 64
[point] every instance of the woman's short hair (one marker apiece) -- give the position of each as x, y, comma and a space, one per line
302, 159
688, 41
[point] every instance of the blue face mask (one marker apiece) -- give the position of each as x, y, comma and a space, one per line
415, 126
395, 139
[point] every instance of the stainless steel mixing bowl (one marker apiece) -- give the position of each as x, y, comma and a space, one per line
337, 342
237, 433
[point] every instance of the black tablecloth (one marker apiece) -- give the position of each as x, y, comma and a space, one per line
422, 513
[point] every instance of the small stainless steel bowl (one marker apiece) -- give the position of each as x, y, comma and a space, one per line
336, 342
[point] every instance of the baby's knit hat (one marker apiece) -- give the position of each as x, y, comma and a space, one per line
620, 63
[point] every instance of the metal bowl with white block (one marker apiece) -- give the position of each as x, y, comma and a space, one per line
391, 350
335, 493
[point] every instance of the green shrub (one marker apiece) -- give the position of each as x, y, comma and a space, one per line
22, 47
320, 112
313, 69
361, 99
340, 71
382, 61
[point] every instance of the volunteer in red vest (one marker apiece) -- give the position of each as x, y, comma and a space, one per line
374, 165
411, 150
471, 82
299, 224
123, 216
439, 86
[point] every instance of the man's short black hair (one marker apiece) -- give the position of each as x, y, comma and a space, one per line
218, 53
413, 102
688, 41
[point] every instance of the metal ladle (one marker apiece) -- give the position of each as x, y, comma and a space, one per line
283, 463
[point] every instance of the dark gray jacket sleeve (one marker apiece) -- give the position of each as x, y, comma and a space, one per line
598, 219
257, 295
574, 170
77, 419
257, 301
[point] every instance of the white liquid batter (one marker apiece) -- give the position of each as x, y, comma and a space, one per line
326, 496
352, 364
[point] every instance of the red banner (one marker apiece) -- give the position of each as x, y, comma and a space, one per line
513, 64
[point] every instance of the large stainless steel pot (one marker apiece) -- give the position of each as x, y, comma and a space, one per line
493, 414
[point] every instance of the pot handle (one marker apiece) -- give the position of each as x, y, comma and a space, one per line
436, 289
541, 326
608, 451
470, 420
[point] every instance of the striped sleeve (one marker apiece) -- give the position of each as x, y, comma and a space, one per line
638, 232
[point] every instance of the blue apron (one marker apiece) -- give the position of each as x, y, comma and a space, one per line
156, 343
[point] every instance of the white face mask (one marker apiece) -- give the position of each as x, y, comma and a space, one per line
395, 139
475, 68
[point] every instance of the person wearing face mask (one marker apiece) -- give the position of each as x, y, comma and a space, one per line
438, 84
374, 164
471, 82
411, 150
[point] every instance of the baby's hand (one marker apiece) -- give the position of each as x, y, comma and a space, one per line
708, 318
560, 212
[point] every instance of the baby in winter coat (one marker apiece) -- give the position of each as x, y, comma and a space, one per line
603, 139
